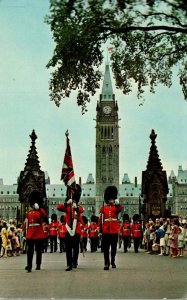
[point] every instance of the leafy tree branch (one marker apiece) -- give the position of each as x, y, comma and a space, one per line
148, 41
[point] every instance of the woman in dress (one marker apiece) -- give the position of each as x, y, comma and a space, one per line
174, 238
4, 237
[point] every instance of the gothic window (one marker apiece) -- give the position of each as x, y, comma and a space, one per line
108, 132
105, 132
112, 131
104, 149
102, 132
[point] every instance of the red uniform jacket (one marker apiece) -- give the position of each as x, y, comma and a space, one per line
125, 229
53, 228
84, 230
35, 219
46, 230
93, 230
136, 230
62, 230
71, 214
110, 218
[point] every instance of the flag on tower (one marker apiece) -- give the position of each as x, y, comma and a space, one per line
68, 175
110, 49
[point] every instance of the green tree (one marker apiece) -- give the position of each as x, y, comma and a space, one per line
149, 41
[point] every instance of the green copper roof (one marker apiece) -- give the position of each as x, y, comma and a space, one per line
107, 91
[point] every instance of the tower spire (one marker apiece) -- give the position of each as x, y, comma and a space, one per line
32, 162
154, 162
107, 90
31, 178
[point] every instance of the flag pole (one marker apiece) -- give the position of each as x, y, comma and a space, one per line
67, 174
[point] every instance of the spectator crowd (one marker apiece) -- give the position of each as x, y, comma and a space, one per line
164, 237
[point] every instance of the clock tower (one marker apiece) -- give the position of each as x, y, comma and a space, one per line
107, 140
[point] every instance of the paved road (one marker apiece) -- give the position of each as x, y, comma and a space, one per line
138, 276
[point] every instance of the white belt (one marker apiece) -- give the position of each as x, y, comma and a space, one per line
111, 219
34, 224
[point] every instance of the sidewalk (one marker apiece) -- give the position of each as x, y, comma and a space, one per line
137, 276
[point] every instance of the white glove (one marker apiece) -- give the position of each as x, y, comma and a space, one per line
116, 202
36, 206
69, 201
74, 205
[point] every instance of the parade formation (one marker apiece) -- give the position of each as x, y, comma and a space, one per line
73, 232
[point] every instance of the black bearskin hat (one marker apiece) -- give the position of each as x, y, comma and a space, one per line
35, 197
94, 218
54, 217
111, 192
136, 217
62, 219
125, 217
85, 219
74, 192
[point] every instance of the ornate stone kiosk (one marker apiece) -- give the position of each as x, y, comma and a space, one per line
154, 185
31, 178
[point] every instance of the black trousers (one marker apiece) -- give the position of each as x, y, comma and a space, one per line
45, 244
93, 244
37, 245
136, 244
83, 244
126, 240
62, 244
53, 243
72, 249
109, 240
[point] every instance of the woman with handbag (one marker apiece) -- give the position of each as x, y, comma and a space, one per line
174, 238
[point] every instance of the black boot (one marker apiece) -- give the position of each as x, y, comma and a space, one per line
113, 263
28, 269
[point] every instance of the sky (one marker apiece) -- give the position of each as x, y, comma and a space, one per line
26, 47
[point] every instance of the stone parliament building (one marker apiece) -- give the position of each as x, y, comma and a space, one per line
131, 193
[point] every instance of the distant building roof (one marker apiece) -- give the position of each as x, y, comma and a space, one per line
182, 175
125, 178
172, 174
90, 178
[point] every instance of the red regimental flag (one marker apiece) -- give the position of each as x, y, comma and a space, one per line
68, 175
110, 49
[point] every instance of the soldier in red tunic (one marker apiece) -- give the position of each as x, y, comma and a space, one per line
53, 232
35, 233
136, 232
125, 232
93, 233
109, 219
73, 225
84, 234
46, 235
61, 233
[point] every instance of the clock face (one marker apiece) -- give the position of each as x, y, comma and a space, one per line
107, 109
